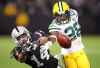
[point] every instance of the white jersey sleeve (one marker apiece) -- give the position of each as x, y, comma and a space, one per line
53, 27
74, 15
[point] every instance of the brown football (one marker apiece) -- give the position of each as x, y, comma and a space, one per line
64, 41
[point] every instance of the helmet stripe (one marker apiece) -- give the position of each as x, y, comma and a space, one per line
60, 6
17, 29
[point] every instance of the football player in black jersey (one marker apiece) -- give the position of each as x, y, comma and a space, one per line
34, 53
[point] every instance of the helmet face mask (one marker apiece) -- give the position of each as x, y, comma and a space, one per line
62, 18
22, 39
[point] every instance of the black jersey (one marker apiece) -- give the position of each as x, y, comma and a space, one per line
38, 56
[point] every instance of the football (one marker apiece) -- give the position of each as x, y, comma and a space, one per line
64, 41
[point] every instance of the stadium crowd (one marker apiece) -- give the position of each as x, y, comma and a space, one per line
34, 12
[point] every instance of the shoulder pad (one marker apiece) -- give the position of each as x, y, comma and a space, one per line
73, 12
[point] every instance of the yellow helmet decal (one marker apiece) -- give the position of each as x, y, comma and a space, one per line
60, 7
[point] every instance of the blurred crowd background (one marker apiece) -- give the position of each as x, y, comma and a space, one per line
37, 14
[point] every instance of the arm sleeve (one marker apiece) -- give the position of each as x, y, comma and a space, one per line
53, 27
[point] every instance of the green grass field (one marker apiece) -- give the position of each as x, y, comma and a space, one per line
92, 44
